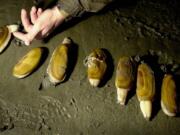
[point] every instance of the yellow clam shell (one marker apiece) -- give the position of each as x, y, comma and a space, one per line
124, 73
124, 78
5, 35
145, 89
168, 95
58, 63
28, 63
145, 83
97, 66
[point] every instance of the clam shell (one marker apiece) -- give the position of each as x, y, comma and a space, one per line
5, 35
124, 78
168, 95
124, 73
58, 63
145, 89
96, 66
28, 63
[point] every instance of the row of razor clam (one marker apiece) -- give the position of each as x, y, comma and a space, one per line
145, 87
125, 78
97, 66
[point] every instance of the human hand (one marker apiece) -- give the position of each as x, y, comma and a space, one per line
40, 23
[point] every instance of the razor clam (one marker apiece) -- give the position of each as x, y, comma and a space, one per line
145, 89
124, 78
28, 63
56, 70
96, 64
5, 35
168, 95
59, 61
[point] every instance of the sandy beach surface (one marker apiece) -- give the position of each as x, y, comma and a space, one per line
74, 107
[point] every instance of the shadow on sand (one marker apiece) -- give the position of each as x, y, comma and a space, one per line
72, 60
109, 70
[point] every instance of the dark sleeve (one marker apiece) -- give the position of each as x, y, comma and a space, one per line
78, 7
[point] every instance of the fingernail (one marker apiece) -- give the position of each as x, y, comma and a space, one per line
40, 9
33, 8
23, 11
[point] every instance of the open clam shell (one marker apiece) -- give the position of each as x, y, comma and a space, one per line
58, 63
168, 95
96, 63
5, 35
145, 89
124, 78
28, 63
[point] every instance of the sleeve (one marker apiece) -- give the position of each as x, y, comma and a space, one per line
76, 8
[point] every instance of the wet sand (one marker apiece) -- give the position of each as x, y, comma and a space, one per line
74, 107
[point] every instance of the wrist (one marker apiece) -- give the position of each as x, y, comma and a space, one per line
59, 14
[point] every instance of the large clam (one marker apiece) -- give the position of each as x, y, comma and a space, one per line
145, 89
124, 78
28, 63
96, 64
59, 61
168, 95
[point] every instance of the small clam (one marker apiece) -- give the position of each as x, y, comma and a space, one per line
58, 63
28, 63
124, 78
5, 35
168, 96
96, 63
145, 89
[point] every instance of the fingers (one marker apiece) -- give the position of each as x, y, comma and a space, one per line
39, 12
31, 27
35, 31
28, 37
25, 20
35, 13
22, 37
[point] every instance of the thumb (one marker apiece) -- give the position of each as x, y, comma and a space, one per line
28, 37
33, 33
